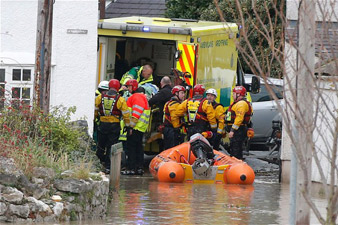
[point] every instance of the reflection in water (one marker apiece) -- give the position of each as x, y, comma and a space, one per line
146, 201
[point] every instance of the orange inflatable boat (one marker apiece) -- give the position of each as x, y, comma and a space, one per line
180, 164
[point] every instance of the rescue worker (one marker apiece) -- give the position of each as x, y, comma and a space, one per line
110, 107
123, 133
102, 88
238, 117
163, 96
158, 101
172, 136
142, 74
139, 121
220, 116
200, 113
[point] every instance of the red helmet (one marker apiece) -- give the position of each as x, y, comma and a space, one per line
177, 88
239, 90
199, 89
133, 83
115, 84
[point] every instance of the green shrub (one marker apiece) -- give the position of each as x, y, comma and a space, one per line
33, 139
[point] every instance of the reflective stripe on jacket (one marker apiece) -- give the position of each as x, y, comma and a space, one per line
140, 111
123, 135
239, 113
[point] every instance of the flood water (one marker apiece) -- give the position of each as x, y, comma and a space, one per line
142, 200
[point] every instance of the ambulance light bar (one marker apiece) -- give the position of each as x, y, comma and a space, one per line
141, 28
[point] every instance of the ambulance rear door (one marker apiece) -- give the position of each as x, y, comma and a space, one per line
187, 62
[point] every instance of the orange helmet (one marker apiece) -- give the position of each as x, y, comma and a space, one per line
133, 83
239, 90
177, 88
115, 84
199, 89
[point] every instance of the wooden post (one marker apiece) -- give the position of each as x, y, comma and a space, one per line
102, 7
43, 54
115, 165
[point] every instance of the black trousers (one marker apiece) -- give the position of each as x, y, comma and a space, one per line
135, 150
216, 141
107, 135
236, 143
196, 128
171, 138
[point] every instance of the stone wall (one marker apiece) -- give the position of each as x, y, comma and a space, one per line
45, 198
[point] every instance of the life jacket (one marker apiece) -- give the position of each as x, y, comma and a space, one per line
108, 106
167, 117
195, 111
231, 115
215, 104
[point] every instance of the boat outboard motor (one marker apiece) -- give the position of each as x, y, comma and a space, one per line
203, 152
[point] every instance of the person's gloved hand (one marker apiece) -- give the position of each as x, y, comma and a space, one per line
160, 128
250, 133
214, 132
207, 134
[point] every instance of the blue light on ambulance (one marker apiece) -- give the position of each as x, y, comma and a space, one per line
146, 29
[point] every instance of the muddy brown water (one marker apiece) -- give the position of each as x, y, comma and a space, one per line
142, 200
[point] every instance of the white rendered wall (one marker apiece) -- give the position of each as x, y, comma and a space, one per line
17, 31
74, 78
73, 55
325, 127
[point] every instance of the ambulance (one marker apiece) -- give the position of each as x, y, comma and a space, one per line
189, 51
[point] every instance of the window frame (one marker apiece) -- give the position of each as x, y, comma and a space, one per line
10, 84
274, 87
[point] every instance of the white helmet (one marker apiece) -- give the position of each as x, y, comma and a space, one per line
104, 85
211, 91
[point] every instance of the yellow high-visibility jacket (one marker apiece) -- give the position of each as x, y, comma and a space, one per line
220, 117
169, 110
140, 111
239, 113
106, 109
205, 112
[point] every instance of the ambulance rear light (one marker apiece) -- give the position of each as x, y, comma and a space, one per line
178, 30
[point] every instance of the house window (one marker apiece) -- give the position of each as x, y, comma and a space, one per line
2, 75
2, 88
16, 86
21, 75
21, 95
